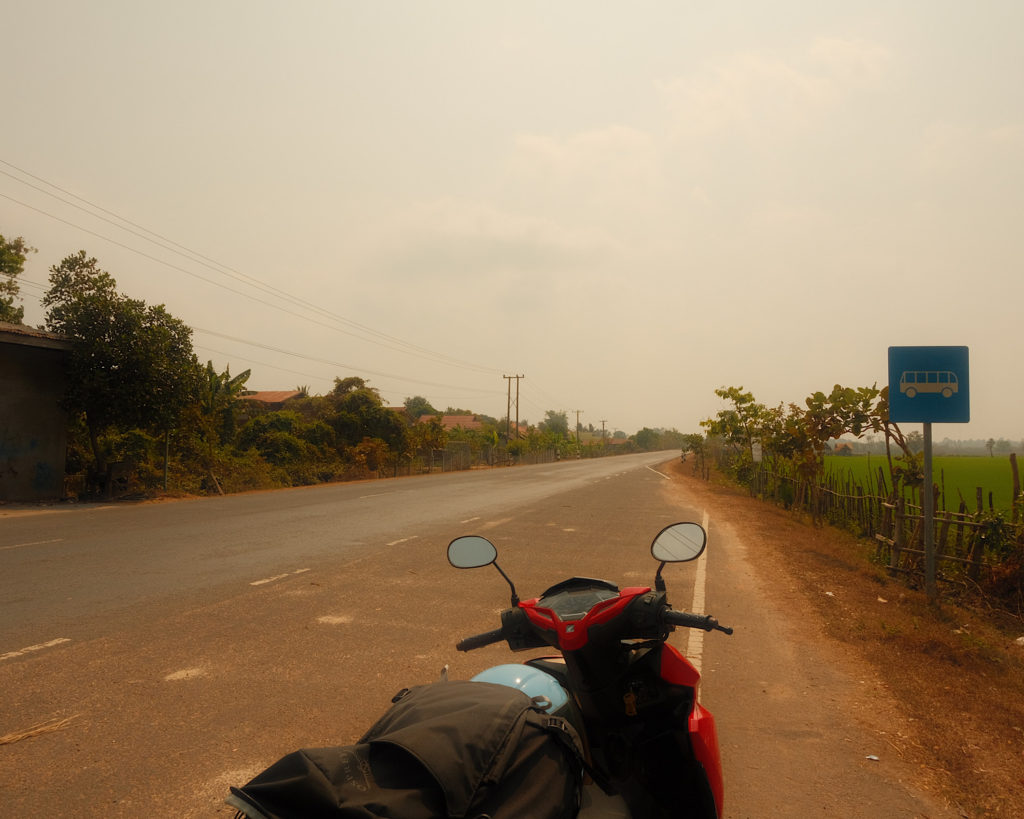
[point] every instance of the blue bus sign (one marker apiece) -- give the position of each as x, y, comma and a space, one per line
929, 385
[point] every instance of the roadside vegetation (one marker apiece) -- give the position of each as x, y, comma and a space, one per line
148, 418
956, 672
786, 455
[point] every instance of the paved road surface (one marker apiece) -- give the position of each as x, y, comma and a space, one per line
206, 639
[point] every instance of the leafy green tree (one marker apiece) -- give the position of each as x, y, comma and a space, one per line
695, 443
131, 365
276, 436
13, 253
359, 413
218, 398
990, 445
648, 439
418, 406
916, 441
218, 395
430, 434
741, 426
555, 422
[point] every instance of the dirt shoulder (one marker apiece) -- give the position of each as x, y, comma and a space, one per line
957, 680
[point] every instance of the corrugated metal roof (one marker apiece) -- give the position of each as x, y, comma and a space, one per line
32, 337
272, 396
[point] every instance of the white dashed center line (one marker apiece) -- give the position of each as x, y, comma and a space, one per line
33, 543
10, 655
402, 540
266, 580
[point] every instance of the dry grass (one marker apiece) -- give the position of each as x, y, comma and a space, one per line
37, 730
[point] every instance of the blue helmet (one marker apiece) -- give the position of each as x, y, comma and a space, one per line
532, 681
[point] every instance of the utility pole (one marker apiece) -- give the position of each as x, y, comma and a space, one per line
578, 412
508, 412
603, 422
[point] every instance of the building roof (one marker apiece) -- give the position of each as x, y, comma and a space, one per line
31, 337
272, 396
453, 421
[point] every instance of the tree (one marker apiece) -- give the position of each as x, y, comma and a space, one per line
741, 426
990, 445
131, 365
418, 406
915, 440
359, 413
12, 262
217, 399
555, 422
426, 435
648, 439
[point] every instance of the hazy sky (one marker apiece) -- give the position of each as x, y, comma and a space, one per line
629, 204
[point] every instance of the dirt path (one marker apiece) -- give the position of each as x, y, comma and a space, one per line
870, 672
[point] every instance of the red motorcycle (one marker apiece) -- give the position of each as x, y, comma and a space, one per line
651, 748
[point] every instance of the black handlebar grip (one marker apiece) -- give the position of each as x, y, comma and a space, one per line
685, 618
480, 640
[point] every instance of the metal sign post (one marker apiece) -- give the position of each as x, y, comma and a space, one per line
929, 384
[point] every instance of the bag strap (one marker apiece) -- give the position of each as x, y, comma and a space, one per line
557, 727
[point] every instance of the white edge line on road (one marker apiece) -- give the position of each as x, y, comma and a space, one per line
30, 649
470, 520
33, 543
695, 644
656, 472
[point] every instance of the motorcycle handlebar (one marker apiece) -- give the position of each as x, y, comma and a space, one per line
480, 640
688, 620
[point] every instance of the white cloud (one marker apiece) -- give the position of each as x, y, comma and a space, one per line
755, 91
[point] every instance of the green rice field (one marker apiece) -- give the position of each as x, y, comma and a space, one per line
951, 473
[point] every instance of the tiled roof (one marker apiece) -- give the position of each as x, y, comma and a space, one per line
453, 421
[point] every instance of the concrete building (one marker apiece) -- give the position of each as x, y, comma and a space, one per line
33, 426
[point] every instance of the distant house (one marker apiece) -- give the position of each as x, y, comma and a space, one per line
449, 422
272, 399
843, 448
33, 425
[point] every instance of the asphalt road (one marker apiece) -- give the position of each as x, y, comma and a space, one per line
62, 568
201, 641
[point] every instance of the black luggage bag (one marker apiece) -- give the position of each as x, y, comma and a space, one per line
461, 749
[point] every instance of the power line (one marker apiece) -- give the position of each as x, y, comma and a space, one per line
375, 336
342, 366
399, 378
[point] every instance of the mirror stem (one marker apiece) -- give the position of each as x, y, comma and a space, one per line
659, 581
515, 597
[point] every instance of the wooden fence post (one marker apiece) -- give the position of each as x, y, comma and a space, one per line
897, 535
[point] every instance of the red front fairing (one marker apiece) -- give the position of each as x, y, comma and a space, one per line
572, 635
676, 669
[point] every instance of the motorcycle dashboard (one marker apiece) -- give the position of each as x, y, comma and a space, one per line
573, 599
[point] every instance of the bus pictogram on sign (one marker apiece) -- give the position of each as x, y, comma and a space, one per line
915, 382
